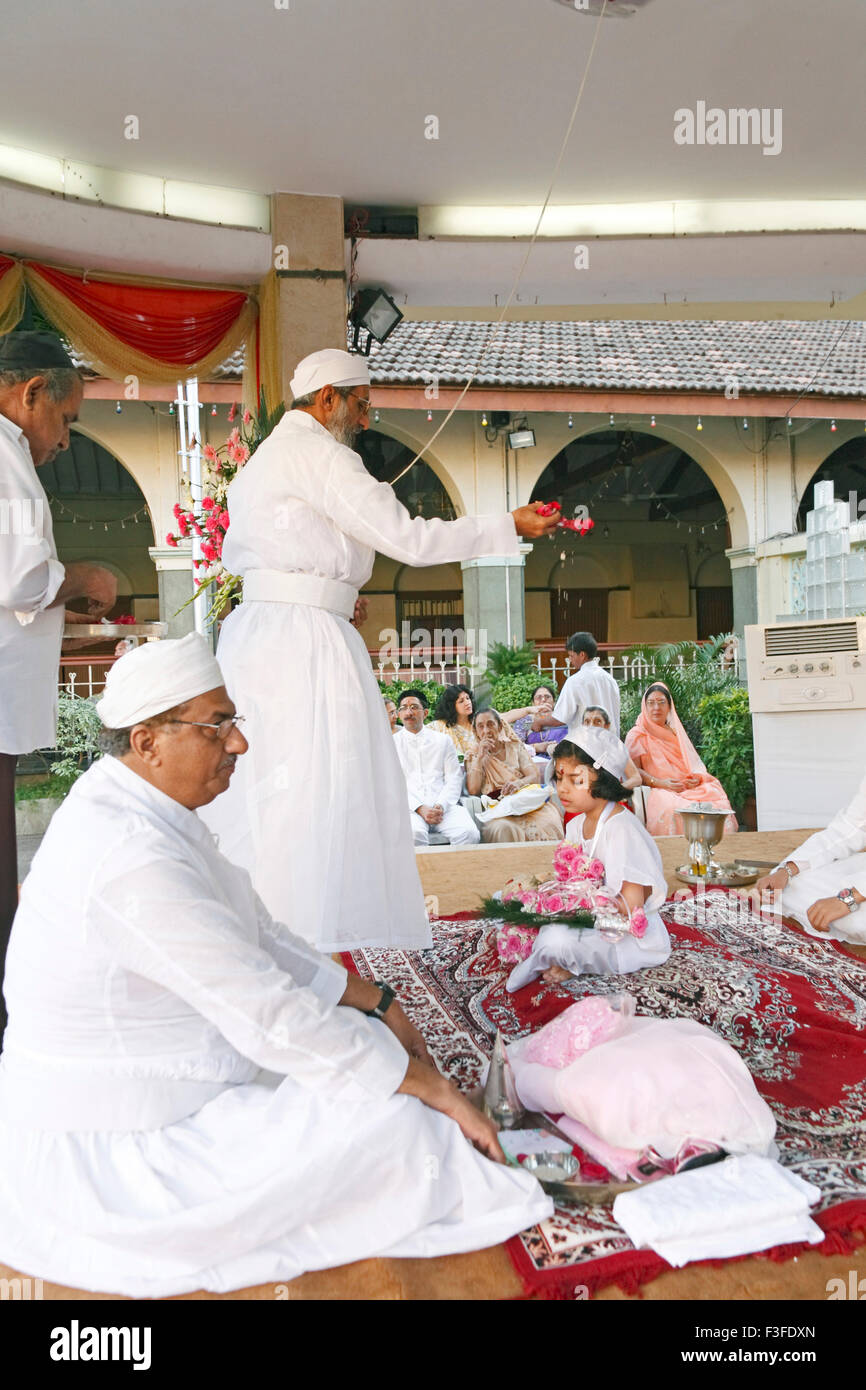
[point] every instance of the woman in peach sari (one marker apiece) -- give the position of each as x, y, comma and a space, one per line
669, 765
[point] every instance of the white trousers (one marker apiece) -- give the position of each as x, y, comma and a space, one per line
456, 823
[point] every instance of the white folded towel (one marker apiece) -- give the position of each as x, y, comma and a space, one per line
736, 1207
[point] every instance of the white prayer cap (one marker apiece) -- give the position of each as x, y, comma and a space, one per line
155, 677
603, 747
330, 367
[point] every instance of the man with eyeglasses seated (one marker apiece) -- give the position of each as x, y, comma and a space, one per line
191, 1096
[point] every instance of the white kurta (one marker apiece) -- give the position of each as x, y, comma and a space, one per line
429, 762
183, 1103
629, 855
828, 861
591, 685
30, 575
316, 810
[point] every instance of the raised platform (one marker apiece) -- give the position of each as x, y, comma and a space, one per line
458, 878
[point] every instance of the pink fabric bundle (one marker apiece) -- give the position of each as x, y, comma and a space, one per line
638, 1083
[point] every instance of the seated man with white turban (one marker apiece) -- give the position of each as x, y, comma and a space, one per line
190, 1095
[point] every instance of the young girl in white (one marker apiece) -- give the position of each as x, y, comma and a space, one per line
588, 769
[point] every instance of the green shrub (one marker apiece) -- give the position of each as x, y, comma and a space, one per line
53, 787
513, 692
728, 749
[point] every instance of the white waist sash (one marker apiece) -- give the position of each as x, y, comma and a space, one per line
279, 586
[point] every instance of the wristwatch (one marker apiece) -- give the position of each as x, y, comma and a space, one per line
384, 1003
846, 896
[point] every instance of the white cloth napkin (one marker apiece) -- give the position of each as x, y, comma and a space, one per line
744, 1204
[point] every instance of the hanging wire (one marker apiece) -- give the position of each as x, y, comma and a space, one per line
507, 305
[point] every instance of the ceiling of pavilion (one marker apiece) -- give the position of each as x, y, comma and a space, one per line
331, 97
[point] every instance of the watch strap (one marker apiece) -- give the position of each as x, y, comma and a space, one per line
387, 999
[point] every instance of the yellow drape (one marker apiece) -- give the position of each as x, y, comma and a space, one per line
111, 357
11, 298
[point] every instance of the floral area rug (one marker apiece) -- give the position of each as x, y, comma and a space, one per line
792, 1006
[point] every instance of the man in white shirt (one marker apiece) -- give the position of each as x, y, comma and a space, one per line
434, 777
590, 685
40, 392
191, 1096
823, 884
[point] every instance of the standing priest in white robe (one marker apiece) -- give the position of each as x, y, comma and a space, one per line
317, 812
192, 1097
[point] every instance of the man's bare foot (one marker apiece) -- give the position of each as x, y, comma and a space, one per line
555, 974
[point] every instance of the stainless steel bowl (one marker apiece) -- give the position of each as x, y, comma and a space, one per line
553, 1166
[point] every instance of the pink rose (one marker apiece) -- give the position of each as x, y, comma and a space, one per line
552, 903
639, 923
514, 944
595, 870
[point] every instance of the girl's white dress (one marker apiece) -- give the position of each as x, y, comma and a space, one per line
629, 855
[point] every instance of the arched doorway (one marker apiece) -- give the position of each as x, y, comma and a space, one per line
658, 519
432, 597
99, 514
845, 468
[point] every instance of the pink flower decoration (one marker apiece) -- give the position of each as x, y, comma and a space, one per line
210, 453
182, 525
514, 944
208, 551
233, 412
247, 417
176, 509
595, 870
171, 540
639, 923
207, 504
552, 903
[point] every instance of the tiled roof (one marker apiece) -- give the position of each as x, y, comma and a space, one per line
824, 357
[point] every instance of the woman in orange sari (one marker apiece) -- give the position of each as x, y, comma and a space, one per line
669, 765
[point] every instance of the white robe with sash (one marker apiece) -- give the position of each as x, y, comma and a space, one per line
183, 1103
316, 810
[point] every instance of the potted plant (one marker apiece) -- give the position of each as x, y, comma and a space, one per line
78, 729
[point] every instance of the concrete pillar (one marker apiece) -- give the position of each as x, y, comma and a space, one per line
175, 587
493, 600
309, 256
744, 579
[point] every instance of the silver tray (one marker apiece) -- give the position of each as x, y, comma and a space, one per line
731, 876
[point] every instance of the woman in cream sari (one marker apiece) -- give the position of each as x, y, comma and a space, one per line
666, 757
499, 765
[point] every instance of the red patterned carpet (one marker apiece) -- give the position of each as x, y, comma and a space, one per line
794, 1007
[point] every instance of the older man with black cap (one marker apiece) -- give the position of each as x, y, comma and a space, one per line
190, 1095
318, 812
40, 393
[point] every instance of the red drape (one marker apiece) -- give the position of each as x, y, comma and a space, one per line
171, 324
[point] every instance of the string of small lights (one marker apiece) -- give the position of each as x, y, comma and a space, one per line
61, 512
